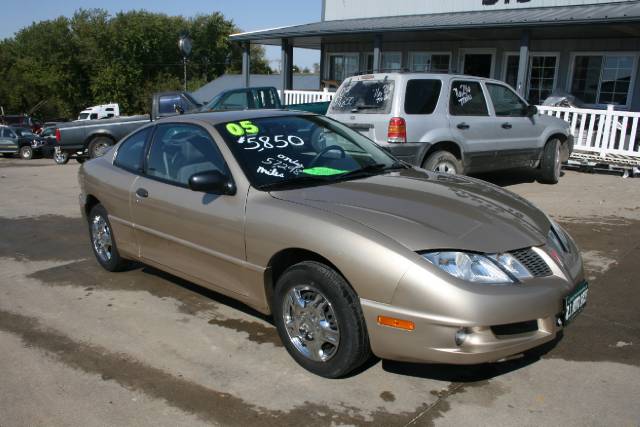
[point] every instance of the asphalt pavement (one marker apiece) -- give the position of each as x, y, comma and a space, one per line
83, 347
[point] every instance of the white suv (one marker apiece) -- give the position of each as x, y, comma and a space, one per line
453, 123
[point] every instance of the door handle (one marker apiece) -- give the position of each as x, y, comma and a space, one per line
506, 126
462, 125
141, 192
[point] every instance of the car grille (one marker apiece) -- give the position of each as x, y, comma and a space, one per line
532, 261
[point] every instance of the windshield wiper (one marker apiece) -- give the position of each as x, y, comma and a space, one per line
364, 107
372, 169
293, 182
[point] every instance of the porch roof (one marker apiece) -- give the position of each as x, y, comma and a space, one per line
310, 35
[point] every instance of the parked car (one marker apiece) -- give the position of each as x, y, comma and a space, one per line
22, 121
90, 140
351, 250
20, 141
453, 123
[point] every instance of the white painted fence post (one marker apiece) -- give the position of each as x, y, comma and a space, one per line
604, 142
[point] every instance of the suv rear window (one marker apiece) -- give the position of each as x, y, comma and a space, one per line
364, 96
422, 96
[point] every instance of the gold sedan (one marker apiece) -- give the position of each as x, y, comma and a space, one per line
351, 251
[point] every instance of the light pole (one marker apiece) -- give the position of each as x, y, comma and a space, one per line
185, 45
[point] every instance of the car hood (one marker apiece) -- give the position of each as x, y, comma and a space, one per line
424, 211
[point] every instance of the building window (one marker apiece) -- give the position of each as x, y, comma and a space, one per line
391, 61
602, 79
343, 65
542, 77
429, 62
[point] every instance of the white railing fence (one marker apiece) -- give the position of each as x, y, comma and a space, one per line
305, 96
603, 132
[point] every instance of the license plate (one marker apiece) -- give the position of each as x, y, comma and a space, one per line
574, 303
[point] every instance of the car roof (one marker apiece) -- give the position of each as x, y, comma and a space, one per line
217, 117
422, 75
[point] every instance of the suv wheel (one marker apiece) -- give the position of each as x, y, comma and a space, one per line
26, 152
550, 165
320, 321
443, 162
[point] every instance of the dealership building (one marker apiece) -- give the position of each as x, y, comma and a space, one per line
588, 48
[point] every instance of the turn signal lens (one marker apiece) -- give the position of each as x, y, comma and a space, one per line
392, 322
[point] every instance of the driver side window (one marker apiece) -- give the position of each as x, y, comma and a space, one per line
505, 102
179, 151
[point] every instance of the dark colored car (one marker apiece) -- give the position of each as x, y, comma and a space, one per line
20, 141
22, 121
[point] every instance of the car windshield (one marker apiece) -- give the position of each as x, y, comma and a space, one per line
296, 151
363, 96
25, 133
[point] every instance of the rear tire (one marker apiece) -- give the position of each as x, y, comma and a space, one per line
99, 146
551, 165
320, 321
103, 241
61, 158
26, 152
443, 162
80, 160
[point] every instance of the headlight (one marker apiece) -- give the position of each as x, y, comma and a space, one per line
498, 269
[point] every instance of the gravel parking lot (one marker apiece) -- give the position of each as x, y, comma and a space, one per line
80, 346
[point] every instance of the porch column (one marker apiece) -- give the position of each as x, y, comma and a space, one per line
246, 64
377, 53
523, 64
287, 65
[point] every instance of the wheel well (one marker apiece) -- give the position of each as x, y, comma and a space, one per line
449, 146
561, 137
89, 204
284, 259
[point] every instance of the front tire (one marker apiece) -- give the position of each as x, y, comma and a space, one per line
26, 152
551, 165
443, 162
320, 321
103, 242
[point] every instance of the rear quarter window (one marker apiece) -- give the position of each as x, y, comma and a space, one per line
364, 96
422, 96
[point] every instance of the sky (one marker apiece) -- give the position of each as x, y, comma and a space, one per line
248, 15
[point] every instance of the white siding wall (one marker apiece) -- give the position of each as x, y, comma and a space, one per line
348, 9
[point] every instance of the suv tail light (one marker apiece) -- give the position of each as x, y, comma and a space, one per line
397, 130
58, 135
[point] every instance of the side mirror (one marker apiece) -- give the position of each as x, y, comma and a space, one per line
212, 182
532, 110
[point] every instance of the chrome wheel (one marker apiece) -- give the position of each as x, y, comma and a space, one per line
311, 323
445, 167
101, 238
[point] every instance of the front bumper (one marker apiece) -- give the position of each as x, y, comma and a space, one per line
496, 322
433, 340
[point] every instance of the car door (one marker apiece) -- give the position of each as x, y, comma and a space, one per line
471, 124
518, 135
117, 189
8, 141
195, 234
